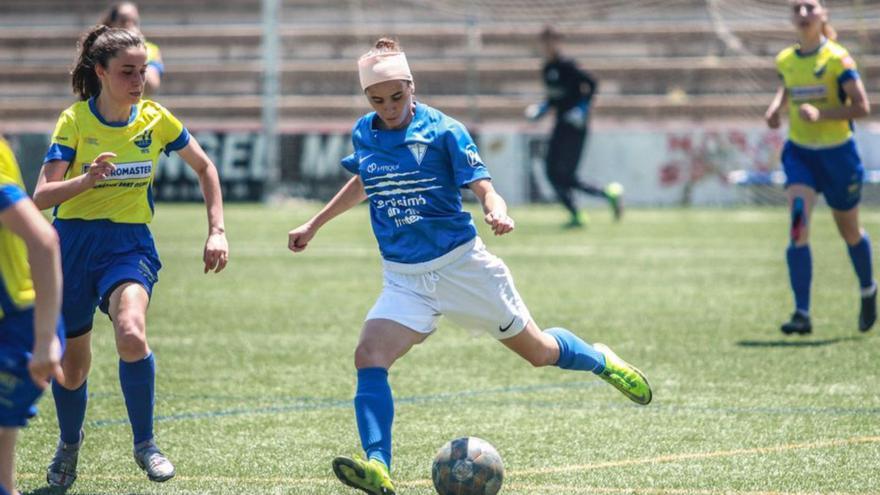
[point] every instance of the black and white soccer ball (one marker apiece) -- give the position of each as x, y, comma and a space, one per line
467, 466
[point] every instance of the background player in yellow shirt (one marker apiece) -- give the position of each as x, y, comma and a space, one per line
824, 94
31, 331
98, 175
125, 15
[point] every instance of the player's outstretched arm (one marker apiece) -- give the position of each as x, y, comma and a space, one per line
52, 189
24, 220
349, 196
535, 111
494, 206
771, 116
216, 253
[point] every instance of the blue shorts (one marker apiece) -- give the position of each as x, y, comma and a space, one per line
97, 256
18, 393
835, 172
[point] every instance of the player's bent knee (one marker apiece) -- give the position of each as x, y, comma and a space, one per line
852, 236
371, 356
75, 374
540, 357
131, 343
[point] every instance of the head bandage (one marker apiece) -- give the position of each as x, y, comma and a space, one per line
375, 68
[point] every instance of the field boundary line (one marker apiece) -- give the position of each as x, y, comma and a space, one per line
571, 490
703, 455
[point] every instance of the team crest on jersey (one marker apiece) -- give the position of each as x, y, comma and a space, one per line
473, 156
144, 140
820, 71
418, 151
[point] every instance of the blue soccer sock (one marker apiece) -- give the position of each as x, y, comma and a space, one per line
575, 354
800, 274
374, 409
70, 406
138, 381
860, 254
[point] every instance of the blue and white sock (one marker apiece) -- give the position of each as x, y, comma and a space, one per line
70, 406
374, 409
575, 354
138, 381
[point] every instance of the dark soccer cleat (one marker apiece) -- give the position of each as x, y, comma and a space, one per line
62, 470
868, 313
799, 324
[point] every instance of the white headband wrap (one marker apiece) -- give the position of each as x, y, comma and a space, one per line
376, 68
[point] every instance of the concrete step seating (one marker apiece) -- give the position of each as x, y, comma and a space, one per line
675, 65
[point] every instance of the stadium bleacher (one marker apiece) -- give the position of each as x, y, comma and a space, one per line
680, 65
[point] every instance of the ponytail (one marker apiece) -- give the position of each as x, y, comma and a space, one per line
828, 31
96, 47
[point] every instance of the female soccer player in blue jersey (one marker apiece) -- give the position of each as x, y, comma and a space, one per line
31, 329
98, 174
411, 162
824, 93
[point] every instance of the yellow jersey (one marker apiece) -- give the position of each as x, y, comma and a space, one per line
16, 286
154, 57
817, 78
127, 195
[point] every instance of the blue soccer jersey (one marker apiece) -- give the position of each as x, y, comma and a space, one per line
413, 179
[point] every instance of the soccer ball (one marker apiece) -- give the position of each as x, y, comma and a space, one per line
467, 466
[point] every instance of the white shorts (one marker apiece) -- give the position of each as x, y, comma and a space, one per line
469, 285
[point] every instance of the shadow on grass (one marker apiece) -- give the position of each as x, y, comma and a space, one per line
798, 343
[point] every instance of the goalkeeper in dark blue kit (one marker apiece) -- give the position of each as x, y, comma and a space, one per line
570, 91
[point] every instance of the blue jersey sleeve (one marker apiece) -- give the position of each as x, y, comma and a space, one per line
159, 66
350, 163
467, 165
847, 75
9, 195
59, 152
179, 143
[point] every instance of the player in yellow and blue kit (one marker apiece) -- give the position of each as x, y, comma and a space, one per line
824, 93
98, 174
31, 328
410, 162
125, 15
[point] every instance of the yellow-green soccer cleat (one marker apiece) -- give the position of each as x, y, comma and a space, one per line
624, 376
368, 476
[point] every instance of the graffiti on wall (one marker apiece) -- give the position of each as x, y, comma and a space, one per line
695, 157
